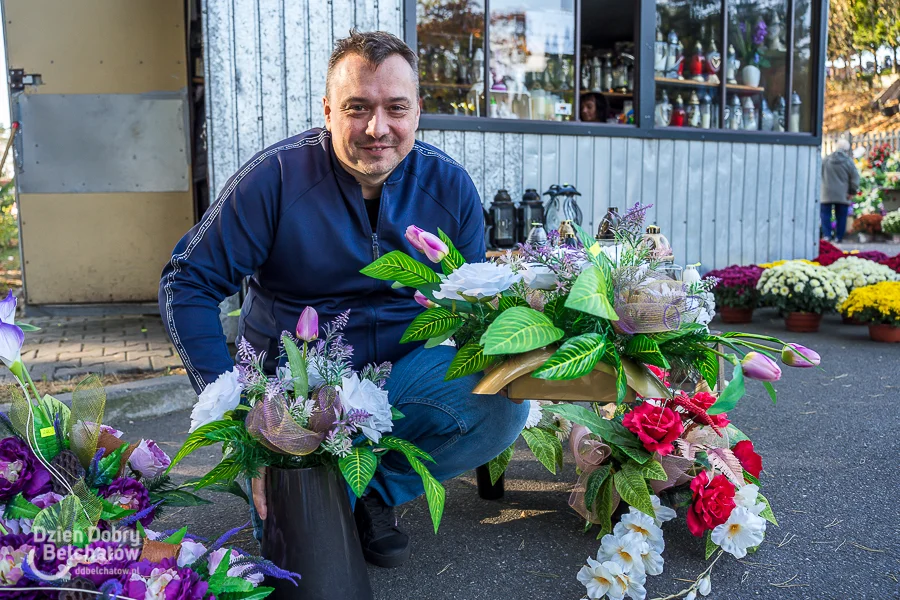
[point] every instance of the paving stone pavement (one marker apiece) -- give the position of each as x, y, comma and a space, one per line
75, 346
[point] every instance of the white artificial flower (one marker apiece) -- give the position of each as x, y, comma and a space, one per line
705, 586
637, 522
600, 579
652, 559
216, 399
742, 530
633, 583
534, 414
624, 550
565, 427
746, 496
692, 595
285, 377
477, 281
365, 395
190, 551
663, 513
539, 277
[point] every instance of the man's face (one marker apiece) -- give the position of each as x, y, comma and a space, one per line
372, 114
588, 110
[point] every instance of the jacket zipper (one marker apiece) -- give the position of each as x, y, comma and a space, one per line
376, 251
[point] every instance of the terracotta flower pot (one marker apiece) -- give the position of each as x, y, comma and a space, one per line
885, 333
802, 322
730, 314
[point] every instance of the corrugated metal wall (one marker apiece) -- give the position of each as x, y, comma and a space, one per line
719, 203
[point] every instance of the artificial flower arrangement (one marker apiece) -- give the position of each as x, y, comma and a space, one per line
798, 287
76, 500
858, 272
589, 305
750, 43
867, 223
891, 223
316, 411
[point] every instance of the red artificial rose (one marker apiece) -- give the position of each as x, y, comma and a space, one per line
712, 503
706, 400
655, 426
661, 374
750, 460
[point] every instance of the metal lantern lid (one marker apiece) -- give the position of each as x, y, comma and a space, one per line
658, 244
502, 197
538, 235
694, 98
568, 189
531, 195
735, 101
795, 99
553, 190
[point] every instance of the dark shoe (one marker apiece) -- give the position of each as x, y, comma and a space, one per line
383, 544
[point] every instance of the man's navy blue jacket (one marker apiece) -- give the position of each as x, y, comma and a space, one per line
295, 221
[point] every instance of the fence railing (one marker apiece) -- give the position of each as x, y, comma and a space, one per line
867, 141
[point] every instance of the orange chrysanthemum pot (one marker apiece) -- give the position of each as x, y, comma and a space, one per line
885, 333
802, 322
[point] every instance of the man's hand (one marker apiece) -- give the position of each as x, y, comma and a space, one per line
258, 495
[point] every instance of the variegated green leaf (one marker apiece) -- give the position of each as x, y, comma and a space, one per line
400, 267
611, 357
434, 492
546, 447
767, 513
667, 336
711, 546
197, 439
358, 468
469, 359
431, 323
603, 507
519, 329
407, 448
643, 349
574, 359
590, 294
633, 489
592, 488
507, 302
653, 470
454, 259
226, 471
497, 465
707, 364
733, 392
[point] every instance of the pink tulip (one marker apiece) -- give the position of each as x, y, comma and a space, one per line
761, 367
423, 300
435, 250
412, 236
308, 325
795, 355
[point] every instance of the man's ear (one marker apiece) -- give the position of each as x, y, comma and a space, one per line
327, 108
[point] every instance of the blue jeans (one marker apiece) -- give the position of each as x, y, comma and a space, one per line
840, 211
459, 429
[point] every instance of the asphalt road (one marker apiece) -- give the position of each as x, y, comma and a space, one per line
830, 452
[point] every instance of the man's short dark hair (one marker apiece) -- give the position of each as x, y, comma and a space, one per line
375, 47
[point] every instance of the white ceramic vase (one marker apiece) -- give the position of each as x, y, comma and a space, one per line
750, 75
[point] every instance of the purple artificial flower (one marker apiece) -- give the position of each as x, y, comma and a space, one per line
760, 367
46, 499
759, 35
241, 570
11, 335
100, 561
795, 355
308, 325
13, 570
129, 494
20, 471
148, 459
163, 580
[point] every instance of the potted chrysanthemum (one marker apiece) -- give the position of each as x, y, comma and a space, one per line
878, 306
802, 292
858, 272
891, 224
736, 294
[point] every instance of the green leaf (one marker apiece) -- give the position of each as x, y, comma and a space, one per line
66, 515
183, 498
454, 259
604, 509
507, 302
434, 492
594, 483
469, 359
545, 446
398, 266
611, 432
497, 465
645, 350
574, 359
113, 512
733, 392
519, 329
228, 488
433, 322
612, 358
198, 439
20, 508
109, 465
225, 471
707, 363
590, 294
555, 310
653, 470
591, 246
217, 579
749, 478
710, 545
228, 434
407, 448
396, 415
667, 336
257, 593
176, 537
771, 389
234, 585
633, 489
437, 341
299, 373
767, 513
358, 468
26, 327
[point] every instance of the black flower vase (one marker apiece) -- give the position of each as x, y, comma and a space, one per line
310, 530
486, 489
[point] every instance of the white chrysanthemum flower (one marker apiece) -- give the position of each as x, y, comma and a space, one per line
742, 530
637, 522
565, 427
623, 550
534, 414
747, 496
815, 283
216, 399
477, 281
663, 513
600, 579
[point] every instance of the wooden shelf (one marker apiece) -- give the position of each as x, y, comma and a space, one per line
691, 83
458, 86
